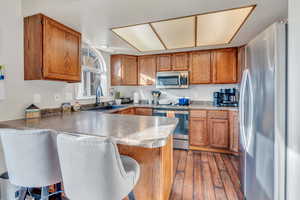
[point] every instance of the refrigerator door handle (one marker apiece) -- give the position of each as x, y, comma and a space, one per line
241, 110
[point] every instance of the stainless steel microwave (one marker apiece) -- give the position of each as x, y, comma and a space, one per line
174, 79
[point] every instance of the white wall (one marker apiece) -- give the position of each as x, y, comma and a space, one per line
19, 93
293, 150
195, 92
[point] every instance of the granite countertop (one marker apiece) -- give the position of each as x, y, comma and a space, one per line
133, 130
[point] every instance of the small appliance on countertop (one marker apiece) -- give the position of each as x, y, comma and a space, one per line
184, 101
226, 98
156, 95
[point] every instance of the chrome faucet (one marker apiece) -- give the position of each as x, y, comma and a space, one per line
99, 93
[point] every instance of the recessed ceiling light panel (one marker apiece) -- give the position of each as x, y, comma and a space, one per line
176, 33
220, 27
140, 37
214, 28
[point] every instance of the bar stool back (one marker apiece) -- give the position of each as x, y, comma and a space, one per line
93, 169
31, 158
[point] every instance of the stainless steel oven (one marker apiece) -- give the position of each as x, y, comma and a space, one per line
175, 79
181, 133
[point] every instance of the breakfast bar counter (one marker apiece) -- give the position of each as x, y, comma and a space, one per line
147, 139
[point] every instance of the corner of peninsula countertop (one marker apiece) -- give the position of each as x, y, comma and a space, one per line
133, 130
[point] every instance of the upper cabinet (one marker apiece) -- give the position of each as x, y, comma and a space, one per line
200, 67
180, 61
124, 70
164, 62
51, 50
173, 62
241, 66
147, 70
224, 66
221, 66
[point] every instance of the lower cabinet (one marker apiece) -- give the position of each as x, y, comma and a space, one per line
199, 132
143, 111
219, 133
215, 131
135, 111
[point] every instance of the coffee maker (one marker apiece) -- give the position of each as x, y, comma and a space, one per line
226, 98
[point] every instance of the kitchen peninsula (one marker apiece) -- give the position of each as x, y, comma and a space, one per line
144, 138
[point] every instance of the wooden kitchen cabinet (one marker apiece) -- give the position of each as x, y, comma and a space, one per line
214, 130
164, 62
180, 61
234, 131
124, 70
241, 63
198, 132
146, 70
143, 111
218, 131
224, 66
129, 70
200, 67
51, 50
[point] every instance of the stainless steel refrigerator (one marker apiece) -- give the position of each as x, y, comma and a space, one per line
262, 115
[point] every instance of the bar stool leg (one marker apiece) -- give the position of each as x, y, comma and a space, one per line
22, 193
58, 188
131, 196
45, 193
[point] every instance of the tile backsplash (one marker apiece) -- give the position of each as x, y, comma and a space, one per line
194, 92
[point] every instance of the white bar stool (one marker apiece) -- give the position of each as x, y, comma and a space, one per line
93, 169
31, 159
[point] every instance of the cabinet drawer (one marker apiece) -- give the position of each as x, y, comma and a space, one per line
198, 113
217, 114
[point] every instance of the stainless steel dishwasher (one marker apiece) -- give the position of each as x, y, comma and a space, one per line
181, 133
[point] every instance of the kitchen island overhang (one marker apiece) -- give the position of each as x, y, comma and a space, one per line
147, 139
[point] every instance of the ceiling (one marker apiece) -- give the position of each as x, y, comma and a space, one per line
95, 18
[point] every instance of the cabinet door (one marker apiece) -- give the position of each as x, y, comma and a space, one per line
180, 61
129, 70
116, 70
61, 52
218, 133
234, 131
164, 62
129, 111
241, 66
198, 132
143, 111
200, 66
147, 70
224, 65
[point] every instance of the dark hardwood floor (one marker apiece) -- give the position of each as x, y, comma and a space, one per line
205, 176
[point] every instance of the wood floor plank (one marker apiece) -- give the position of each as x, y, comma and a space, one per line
188, 185
209, 193
228, 185
198, 177
214, 171
235, 162
233, 175
176, 157
205, 176
177, 189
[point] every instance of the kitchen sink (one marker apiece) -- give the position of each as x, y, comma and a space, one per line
105, 108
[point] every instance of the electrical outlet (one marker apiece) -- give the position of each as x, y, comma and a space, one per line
36, 98
57, 97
